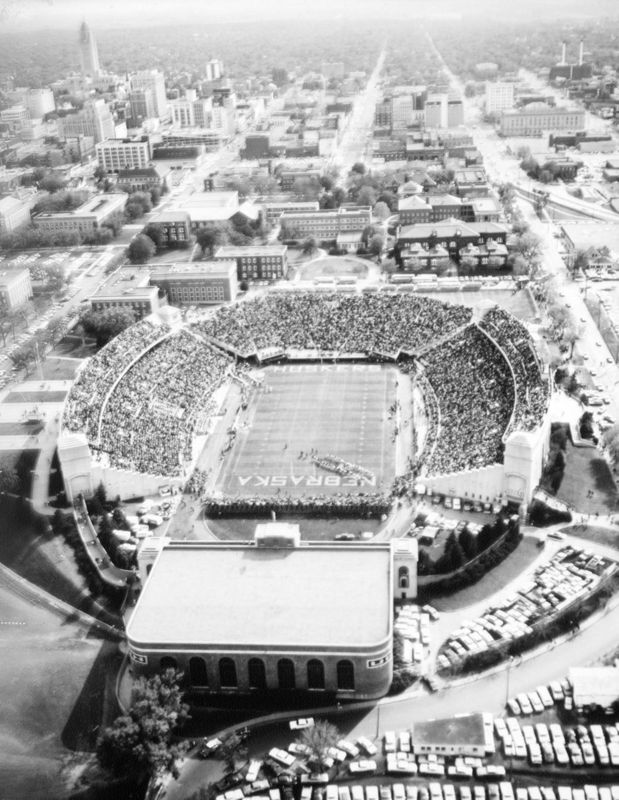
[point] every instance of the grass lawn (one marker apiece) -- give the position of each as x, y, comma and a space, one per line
586, 471
23, 462
334, 409
59, 369
495, 580
20, 428
56, 691
35, 397
594, 533
72, 347
41, 559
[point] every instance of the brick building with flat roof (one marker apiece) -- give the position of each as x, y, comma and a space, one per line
257, 262
127, 288
87, 218
278, 614
197, 283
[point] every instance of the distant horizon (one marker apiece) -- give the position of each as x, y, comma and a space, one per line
68, 14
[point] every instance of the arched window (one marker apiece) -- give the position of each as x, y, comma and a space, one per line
403, 578
285, 674
315, 674
257, 674
197, 671
345, 675
227, 673
167, 662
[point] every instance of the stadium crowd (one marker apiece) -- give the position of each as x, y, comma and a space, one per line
362, 323
474, 388
148, 422
342, 504
85, 400
531, 387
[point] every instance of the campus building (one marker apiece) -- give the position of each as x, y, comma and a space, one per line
175, 226
15, 288
324, 225
278, 614
115, 155
127, 289
257, 263
87, 218
534, 119
197, 283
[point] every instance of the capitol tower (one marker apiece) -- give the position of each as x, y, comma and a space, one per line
89, 55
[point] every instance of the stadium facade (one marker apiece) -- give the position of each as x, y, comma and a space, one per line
273, 615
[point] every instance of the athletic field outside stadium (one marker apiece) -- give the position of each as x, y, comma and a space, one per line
337, 409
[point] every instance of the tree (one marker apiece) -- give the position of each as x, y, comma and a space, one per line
318, 739
366, 196
9, 477
381, 210
155, 232
105, 325
358, 167
529, 246
233, 750
139, 744
141, 249
210, 237
52, 183
55, 277
581, 260
22, 357
375, 245
310, 246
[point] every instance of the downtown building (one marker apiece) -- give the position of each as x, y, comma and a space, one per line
115, 155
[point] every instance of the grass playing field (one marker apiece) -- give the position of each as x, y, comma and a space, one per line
333, 409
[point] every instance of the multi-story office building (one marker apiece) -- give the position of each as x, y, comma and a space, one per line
16, 117
210, 139
214, 70
435, 111
455, 112
191, 111
15, 288
154, 80
141, 105
537, 118
114, 155
95, 120
39, 102
87, 218
14, 214
257, 263
89, 53
324, 225
499, 96
197, 283
129, 288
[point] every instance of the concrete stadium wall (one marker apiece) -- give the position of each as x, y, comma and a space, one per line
477, 484
128, 483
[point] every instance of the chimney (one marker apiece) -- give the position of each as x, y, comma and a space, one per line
581, 53
563, 47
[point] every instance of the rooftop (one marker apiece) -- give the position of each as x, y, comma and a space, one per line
599, 685
9, 275
467, 729
212, 269
585, 234
230, 251
240, 595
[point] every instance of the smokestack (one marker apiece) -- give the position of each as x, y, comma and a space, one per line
563, 47
581, 53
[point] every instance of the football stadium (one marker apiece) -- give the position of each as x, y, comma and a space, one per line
303, 400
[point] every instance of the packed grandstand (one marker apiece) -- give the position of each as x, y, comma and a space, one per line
141, 398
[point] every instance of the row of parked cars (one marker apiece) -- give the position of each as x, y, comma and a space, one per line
557, 693
592, 745
435, 790
570, 574
413, 625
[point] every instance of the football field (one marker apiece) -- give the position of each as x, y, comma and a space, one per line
335, 409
